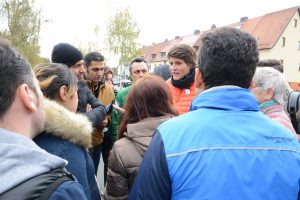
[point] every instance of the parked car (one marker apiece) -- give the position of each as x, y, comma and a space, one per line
126, 83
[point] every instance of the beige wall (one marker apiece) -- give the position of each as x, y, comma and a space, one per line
290, 53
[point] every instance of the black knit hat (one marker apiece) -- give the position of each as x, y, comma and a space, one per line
66, 54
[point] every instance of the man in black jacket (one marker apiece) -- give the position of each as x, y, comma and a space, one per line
87, 103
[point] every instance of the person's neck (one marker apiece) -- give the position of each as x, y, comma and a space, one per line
13, 127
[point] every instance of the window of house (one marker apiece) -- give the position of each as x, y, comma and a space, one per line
295, 22
281, 61
152, 56
283, 41
196, 48
162, 54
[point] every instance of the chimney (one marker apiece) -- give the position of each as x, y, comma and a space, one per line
166, 40
177, 37
243, 19
153, 43
196, 32
213, 27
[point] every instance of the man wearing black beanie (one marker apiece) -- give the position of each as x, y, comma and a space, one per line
69, 55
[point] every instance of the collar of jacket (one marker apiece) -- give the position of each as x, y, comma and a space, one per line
272, 107
65, 124
92, 86
226, 98
185, 82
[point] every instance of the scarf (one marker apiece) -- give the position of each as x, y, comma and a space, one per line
268, 104
185, 82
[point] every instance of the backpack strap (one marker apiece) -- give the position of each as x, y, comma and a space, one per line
35, 187
292, 108
52, 187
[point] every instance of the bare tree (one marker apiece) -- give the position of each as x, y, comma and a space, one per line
122, 35
22, 25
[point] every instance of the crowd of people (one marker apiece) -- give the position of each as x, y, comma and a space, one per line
207, 126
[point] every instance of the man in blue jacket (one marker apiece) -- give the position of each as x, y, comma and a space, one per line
22, 117
224, 148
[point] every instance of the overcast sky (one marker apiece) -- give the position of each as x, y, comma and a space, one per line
74, 21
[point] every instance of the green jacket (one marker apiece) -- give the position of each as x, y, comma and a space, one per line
116, 116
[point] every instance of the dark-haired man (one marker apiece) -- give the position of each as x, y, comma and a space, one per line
276, 64
138, 68
102, 141
25, 168
224, 148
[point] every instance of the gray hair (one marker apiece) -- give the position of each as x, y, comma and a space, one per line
269, 78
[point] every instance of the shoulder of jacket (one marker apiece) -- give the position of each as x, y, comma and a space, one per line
71, 126
68, 190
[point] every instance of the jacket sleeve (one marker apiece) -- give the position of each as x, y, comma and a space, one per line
97, 115
68, 190
117, 180
153, 180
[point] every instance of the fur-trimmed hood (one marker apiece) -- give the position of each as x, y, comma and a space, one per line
68, 125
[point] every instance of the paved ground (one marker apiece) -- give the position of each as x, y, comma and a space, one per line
100, 174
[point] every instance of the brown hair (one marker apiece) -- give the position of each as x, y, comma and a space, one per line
107, 71
276, 64
184, 52
148, 97
52, 76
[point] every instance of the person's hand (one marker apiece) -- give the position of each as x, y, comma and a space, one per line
121, 110
88, 108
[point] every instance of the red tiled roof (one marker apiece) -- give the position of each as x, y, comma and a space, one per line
267, 29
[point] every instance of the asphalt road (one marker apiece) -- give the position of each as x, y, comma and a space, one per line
100, 174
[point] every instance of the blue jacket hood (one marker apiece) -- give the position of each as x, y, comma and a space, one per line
233, 98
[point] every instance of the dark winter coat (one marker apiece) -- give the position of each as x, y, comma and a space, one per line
85, 97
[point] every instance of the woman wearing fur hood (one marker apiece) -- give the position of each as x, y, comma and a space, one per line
66, 134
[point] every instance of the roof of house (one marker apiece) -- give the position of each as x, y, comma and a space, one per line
267, 29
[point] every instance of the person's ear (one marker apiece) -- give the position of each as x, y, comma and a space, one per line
28, 97
251, 85
63, 93
198, 81
270, 94
198, 78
